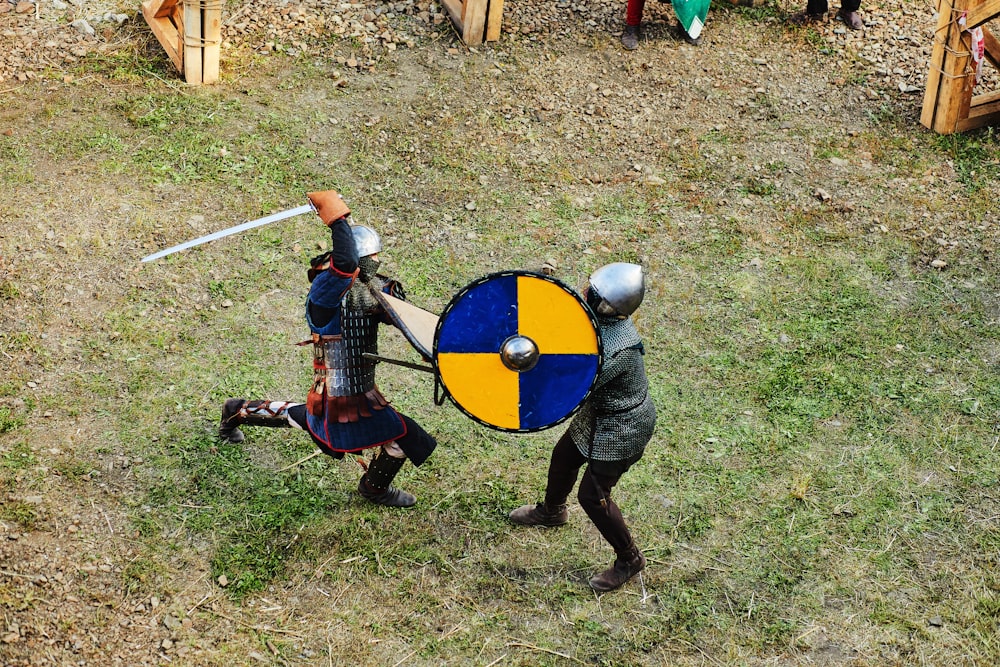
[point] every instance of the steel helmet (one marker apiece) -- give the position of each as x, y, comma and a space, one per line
616, 290
366, 240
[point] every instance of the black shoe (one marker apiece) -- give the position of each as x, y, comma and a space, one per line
390, 497
376, 484
683, 34
805, 18
851, 19
229, 424
630, 37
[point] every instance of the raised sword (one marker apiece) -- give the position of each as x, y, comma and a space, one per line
260, 222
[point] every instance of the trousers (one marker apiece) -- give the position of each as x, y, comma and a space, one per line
594, 493
821, 6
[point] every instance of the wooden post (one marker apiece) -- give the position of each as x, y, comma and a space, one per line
494, 19
190, 31
476, 20
949, 105
192, 42
211, 24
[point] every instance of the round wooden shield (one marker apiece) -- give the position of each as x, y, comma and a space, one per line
517, 351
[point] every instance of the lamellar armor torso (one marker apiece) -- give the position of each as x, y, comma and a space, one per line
339, 359
345, 407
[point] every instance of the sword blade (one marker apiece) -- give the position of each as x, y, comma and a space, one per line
274, 217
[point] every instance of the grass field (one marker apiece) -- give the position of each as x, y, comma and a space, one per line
822, 484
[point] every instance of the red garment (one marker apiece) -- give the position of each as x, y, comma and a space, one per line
633, 12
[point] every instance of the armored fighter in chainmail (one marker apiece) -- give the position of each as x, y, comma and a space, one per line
610, 432
345, 411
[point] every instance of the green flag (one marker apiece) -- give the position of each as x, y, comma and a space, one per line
691, 14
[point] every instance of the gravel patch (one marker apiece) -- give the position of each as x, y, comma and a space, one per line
54, 35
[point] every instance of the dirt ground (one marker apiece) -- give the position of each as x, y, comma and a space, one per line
62, 600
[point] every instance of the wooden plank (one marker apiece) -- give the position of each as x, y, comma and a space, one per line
956, 78
962, 85
177, 18
192, 42
159, 8
473, 22
212, 28
983, 112
166, 8
454, 9
980, 14
933, 86
985, 99
166, 33
472, 19
494, 20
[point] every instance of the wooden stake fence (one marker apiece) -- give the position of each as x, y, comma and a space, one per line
949, 105
477, 21
190, 31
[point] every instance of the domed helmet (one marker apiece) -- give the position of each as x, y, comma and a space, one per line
616, 290
366, 240
368, 243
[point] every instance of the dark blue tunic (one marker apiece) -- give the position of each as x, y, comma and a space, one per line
326, 316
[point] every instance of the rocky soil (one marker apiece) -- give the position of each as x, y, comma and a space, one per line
41, 35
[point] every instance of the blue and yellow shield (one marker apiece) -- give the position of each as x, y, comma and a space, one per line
517, 351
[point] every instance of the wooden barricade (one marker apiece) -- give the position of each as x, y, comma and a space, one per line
190, 31
949, 105
477, 21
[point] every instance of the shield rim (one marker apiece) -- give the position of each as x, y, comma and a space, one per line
516, 273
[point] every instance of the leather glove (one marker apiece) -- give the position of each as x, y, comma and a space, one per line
394, 288
329, 206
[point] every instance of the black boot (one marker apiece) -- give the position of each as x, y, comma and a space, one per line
683, 34
626, 566
231, 419
376, 484
236, 411
630, 37
540, 515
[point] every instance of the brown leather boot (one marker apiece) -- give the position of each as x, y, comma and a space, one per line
624, 568
540, 515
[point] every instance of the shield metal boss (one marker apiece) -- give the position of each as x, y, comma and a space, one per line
517, 351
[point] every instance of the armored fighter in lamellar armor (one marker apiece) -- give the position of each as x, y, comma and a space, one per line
611, 431
344, 411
